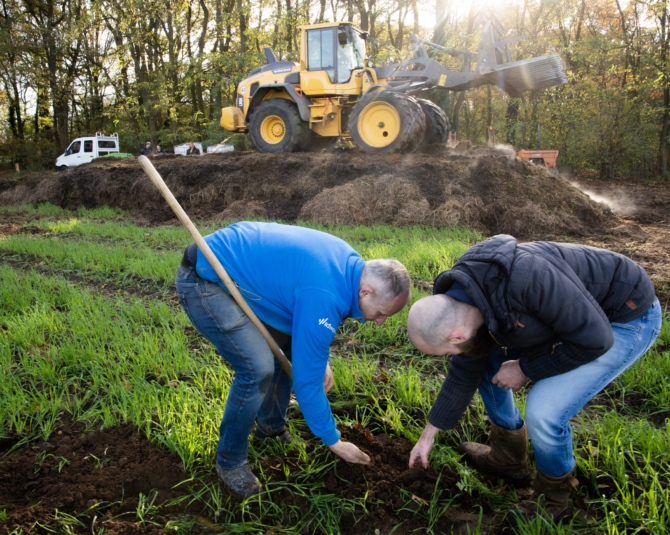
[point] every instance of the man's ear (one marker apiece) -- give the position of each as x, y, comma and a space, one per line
365, 290
456, 338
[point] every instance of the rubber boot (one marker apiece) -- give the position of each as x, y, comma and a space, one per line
506, 457
551, 496
241, 482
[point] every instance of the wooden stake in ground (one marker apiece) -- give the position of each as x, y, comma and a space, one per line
155, 177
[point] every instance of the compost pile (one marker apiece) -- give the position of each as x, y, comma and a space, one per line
488, 189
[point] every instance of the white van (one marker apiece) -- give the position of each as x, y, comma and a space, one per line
84, 149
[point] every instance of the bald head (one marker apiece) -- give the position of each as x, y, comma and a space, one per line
439, 324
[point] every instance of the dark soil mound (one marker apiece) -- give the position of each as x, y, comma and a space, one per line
397, 499
389, 481
73, 472
485, 188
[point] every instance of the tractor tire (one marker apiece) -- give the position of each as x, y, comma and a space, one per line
275, 126
384, 122
437, 123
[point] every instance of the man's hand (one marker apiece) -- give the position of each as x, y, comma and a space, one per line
328, 380
349, 452
510, 376
422, 448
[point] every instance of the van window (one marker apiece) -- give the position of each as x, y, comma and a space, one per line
88, 145
106, 144
74, 148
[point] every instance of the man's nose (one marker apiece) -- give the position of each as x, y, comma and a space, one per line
379, 321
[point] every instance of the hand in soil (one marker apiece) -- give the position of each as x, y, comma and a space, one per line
510, 376
422, 448
349, 452
328, 381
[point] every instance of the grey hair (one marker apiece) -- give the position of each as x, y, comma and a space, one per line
388, 278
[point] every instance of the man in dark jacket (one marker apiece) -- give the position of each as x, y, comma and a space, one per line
192, 150
146, 150
569, 317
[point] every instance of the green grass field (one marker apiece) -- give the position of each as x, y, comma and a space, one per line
91, 332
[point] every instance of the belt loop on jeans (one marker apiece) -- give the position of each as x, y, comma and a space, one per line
188, 266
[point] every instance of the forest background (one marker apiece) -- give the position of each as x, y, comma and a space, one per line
161, 70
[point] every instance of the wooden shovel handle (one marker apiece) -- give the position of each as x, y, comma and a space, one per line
156, 178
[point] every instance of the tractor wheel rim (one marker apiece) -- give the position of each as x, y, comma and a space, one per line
379, 124
273, 129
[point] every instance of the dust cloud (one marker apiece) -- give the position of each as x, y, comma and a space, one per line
621, 203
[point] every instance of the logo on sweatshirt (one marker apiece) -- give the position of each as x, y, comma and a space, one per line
327, 325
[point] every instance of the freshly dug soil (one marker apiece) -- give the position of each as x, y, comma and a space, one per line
73, 472
386, 478
488, 189
395, 493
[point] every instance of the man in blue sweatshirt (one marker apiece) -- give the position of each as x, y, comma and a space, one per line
302, 284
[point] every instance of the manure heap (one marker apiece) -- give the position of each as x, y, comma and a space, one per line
487, 189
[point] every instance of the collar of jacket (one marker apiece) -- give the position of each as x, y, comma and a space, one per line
498, 250
356, 272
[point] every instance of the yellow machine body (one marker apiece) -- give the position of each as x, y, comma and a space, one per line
335, 90
330, 78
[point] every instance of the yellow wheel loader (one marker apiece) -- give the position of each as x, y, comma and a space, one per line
336, 90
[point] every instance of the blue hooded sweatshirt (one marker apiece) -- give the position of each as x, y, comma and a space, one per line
303, 283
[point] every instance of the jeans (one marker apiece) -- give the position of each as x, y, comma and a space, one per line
261, 390
553, 401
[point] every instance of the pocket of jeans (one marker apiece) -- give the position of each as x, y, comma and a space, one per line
186, 290
209, 289
653, 317
180, 284
626, 326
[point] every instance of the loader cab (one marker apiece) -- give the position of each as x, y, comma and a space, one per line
332, 52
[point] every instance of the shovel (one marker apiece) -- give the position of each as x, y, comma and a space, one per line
155, 177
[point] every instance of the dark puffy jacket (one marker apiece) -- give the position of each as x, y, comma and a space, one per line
551, 302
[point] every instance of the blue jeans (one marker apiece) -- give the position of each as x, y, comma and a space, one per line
553, 401
261, 390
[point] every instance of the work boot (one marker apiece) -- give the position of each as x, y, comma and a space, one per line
550, 497
506, 457
240, 481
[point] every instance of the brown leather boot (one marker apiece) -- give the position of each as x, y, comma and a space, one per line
506, 457
551, 496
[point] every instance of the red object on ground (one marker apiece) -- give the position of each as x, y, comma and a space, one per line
546, 157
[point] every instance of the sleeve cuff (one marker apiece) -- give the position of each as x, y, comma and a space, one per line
525, 368
331, 438
543, 367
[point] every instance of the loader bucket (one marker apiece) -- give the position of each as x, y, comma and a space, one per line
528, 75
